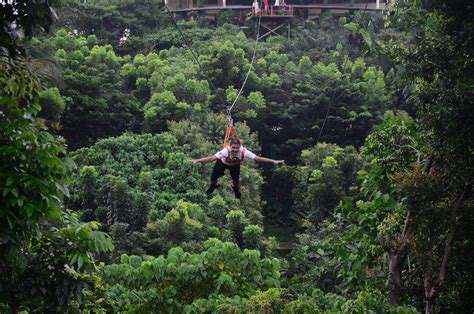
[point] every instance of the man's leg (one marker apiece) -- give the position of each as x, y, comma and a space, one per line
235, 173
217, 172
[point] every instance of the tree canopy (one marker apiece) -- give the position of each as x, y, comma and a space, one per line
102, 107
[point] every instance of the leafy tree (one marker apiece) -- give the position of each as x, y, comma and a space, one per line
126, 240
33, 174
134, 164
182, 278
42, 245
95, 107
21, 19
115, 22
225, 64
326, 175
345, 253
185, 225
52, 104
436, 189
60, 265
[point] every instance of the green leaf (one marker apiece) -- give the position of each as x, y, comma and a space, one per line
29, 211
367, 38
80, 261
10, 181
63, 188
74, 258
5, 100
352, 27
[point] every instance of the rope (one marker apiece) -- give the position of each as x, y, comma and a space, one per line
229, 109
186, 43
230, 121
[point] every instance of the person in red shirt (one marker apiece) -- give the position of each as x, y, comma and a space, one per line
230, 158
265, 7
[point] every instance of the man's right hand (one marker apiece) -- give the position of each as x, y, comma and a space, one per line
193, 161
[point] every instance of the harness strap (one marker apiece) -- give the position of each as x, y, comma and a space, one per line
230, 132
233, 161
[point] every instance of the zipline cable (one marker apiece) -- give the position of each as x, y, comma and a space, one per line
229, 109
186, 43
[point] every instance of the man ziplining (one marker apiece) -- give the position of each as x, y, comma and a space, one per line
230, 158
231, 155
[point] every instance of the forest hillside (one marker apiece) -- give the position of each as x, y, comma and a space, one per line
107, 109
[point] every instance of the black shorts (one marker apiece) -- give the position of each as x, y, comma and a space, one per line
220, 167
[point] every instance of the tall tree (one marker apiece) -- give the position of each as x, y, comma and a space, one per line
435, 53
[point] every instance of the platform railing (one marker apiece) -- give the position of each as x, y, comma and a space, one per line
275, 10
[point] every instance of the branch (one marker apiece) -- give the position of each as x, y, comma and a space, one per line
428, 164
406, 227
449, 241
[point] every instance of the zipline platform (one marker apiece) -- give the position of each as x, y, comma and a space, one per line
273, 20
307, 9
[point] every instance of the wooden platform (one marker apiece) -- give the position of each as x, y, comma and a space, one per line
305, 11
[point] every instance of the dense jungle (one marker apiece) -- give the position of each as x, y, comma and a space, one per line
103, 104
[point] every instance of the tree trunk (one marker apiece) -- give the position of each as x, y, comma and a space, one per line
395, 264
13, 303
432, 288
429, 307
396, 257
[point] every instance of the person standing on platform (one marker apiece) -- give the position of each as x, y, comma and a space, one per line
255, 7
265, 11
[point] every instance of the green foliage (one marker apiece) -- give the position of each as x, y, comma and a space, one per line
225, 64
46, 252
21, 19
269, 301
125, 69
58, 265
33, 173
366, 301
118, 23
181, 278
119, 163
435, 66
351, 93
252, 236
185, 225
52, 104
149, 208
327, 174
393, 145
95, 107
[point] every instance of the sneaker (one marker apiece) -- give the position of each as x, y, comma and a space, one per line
211, 189
237, 192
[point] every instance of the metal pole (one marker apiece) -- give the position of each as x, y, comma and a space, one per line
378, 4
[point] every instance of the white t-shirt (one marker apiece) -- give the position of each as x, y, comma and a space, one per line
222, 154
255, 7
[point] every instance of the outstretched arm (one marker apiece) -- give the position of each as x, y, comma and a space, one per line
268, 160
203, 159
